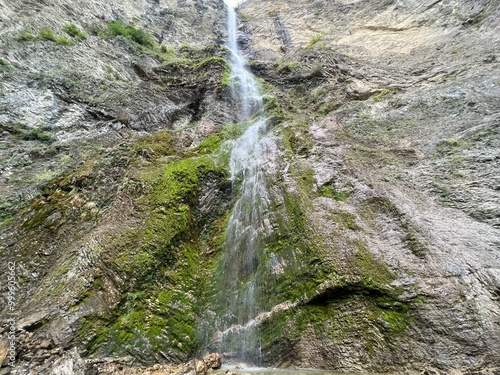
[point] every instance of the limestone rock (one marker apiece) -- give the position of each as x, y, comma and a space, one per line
4, 351
213, 360
194, 367
69, 364
381, 165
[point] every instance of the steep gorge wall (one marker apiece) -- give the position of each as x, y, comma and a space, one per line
382, 245
390, 110
90, 214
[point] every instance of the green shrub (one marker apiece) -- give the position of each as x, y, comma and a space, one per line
25, 35
47, 34
37, 134
167, 50
63, 41
74, 31
327, 108
117, 27
4, 65
139, 36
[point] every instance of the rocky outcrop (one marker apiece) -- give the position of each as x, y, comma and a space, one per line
68, 94
380, 243
395, 142
80, 100
71, 363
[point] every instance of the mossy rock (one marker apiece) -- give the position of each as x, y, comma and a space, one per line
165, 262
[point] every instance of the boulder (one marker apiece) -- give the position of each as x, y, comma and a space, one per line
69, 364
194, 367
213, 360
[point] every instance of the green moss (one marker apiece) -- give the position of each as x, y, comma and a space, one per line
6, 218
226, 79
164, 260
347, 220
181, 180
372, 133
327, 108
385, 206
351, 315
209, 145
307, 179
195, 66
381, 95
155, 146
212, 60
297, 139
302, 269
287, 66
448, 146
329, 191
4, 66
233, 131
314, 40
414, 245
374, 273
398, 320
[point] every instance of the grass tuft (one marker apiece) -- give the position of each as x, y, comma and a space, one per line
25, 35
74, 31
48, 34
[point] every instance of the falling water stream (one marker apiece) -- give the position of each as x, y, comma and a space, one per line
244, 231
238, 314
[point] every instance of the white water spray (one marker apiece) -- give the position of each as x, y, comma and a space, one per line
243, 243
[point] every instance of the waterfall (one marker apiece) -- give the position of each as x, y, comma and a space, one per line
243, 242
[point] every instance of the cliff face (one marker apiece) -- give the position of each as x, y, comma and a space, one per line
381, 244
392, 112
81, 84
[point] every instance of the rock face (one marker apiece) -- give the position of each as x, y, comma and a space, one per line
382, 239
77, 93
396, 134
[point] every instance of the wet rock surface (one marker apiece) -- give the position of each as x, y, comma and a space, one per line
383, 237
400, 102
